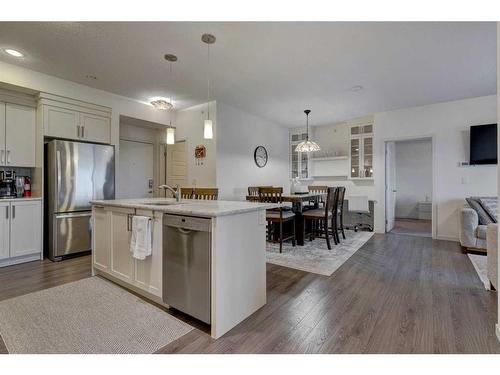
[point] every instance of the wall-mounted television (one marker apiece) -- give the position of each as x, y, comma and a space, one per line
483, 144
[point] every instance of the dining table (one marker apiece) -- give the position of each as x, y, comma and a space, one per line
299, 202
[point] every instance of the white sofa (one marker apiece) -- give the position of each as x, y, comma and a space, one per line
492, 249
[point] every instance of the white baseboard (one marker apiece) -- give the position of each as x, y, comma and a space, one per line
21, 259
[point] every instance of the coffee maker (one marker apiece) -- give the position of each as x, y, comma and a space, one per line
8, 184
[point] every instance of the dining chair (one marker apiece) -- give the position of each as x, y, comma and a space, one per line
253, 193
209, 194
340, 211
320, 189
323, 218
277, 216
186, 193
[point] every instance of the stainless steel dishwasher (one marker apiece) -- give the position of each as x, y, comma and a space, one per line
186, 265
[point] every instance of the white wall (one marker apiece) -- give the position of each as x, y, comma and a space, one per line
335, 138
239, 133
449, 124
189, 127
119, 105
413, 176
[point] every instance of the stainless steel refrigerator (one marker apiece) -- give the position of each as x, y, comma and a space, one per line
75, 174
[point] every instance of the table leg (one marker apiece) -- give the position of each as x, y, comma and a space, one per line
299, 229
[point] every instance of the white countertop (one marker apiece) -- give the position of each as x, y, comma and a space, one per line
190, 207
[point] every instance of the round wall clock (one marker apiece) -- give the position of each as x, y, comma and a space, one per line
260, 156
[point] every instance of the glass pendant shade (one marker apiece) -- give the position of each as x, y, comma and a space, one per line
208, 131
307, 146
170, 136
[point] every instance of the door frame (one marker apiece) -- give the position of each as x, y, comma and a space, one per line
432, 137
163, 162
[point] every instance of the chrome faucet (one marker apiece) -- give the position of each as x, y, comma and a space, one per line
175, 191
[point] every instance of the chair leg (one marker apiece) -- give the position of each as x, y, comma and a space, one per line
327, 236
294, 240
281, 236
334, 232
342, 225
311, 233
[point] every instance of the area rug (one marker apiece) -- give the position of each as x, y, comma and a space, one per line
87, 316
480, 263
314, 256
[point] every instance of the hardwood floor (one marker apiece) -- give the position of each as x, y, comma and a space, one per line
397, 294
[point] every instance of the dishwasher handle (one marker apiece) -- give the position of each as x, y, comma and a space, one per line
188, 223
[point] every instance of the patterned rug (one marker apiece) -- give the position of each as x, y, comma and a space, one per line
480, 263
314, 256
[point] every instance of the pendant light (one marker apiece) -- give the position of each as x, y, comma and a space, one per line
208, 131
170, 129
307, 145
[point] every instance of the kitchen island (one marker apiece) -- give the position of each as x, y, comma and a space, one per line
237, 251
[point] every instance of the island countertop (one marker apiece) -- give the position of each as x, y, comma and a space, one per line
189, 207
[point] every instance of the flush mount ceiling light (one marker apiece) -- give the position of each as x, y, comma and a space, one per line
307, 145
208, 131
13, 52
162, 104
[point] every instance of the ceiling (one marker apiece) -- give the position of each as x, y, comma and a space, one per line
275, 70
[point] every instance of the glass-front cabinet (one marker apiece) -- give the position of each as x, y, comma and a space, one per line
299, 161
361, 151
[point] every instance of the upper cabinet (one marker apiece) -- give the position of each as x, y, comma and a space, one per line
17, 135
361, 151
71, 119
299, 161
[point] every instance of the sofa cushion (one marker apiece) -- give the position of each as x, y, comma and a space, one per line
481, 231
484, 217
490, 205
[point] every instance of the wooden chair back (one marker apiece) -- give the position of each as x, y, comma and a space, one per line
319, 189
340, 199
331, 201
186, 193
271, 194
209, 194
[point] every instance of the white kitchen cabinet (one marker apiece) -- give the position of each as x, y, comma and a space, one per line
20, 128
112, 232
148, 272
4, 230
75, 120
95, 128
101, 245
17, 135
61, 123
25, 228
20, 231
122, 263
361, 152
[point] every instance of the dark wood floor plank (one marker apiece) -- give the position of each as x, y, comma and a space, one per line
397, 294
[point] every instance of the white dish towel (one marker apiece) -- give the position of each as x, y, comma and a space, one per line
141, 243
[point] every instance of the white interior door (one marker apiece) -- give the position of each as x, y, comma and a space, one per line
135, 169
177, 164
390, 185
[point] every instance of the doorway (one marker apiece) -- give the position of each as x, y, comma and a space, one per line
409, 186
174, 165
136, 169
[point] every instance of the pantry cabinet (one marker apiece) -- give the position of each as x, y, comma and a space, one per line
17, 135
20, 231
71, 119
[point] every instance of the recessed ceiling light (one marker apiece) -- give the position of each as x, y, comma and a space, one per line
356, 88
13, 52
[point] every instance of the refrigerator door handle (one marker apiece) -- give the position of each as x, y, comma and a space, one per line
58, 171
